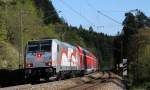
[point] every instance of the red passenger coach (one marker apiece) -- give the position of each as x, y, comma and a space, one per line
88, 61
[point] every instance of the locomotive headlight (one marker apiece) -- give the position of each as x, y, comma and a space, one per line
48, 63
29, 65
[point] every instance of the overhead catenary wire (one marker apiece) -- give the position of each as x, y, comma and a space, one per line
98, 11
109, 17
114, 11
75, 11
81, 15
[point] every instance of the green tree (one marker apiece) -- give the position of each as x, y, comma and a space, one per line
134, 25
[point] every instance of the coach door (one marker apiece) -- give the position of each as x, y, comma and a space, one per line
84, 60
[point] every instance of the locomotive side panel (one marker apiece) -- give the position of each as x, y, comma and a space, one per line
68, 57
55, 53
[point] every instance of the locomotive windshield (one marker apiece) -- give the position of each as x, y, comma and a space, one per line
46, 47
33, 48
42, 46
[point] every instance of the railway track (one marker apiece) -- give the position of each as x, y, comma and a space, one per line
100, 82
88, 85
88, 82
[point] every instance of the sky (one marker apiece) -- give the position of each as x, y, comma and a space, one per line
85, 13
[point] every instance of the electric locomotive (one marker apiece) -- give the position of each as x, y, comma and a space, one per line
51, 57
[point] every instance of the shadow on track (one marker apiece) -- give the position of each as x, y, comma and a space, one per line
11, 77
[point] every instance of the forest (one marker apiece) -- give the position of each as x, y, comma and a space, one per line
133, 42
23, 20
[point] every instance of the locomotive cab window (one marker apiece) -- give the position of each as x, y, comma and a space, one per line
46, 46
33, 48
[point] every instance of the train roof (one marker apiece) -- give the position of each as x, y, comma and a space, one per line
47, 40
40, 40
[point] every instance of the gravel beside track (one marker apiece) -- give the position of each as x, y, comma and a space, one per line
95, 81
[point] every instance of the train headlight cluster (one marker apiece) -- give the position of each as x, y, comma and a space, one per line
29, 65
